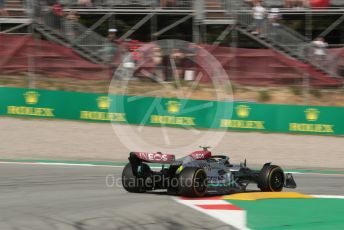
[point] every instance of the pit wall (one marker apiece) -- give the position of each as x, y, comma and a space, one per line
152, 111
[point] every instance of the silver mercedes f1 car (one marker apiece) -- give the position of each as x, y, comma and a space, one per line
199, 174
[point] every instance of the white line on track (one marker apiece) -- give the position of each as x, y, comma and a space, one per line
59, 164
122, 166
315, 173
66, 164
329, 196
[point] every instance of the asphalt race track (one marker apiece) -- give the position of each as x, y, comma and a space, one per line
78, 197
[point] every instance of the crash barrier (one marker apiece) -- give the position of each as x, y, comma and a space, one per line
174, 112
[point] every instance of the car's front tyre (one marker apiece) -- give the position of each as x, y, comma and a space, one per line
271, 178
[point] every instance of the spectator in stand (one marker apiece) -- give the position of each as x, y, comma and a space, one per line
86, 3
274, 17
252, 3
167, 3
109, 49
258, 13
176, 59
306, 3
3, 11
163, 3
71, 24
319, 49
319, 3
112, 35
49, 2
57, 12
35, 8
30, 7
54, 15
172, 64
127, 70
157, 62
134, 48
190, 54
289, 3
295, 3
38, 9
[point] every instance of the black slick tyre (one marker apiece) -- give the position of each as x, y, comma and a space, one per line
192, 182
271, 179
130, 182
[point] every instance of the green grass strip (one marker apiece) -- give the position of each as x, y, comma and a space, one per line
295, 214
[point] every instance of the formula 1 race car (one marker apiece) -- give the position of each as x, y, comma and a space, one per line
199, 174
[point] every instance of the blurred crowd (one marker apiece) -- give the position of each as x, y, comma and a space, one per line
153, 3
154, 62
52, 14
271, 19
297, 4
161, 3
28, 4
3, 11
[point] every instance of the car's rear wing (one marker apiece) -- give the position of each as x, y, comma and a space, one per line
151, 157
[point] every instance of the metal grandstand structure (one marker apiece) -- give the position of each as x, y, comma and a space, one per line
233, 15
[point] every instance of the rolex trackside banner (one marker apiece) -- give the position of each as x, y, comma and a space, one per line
173, 112
58, 104
286, 118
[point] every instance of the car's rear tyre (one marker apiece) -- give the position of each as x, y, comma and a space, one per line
192, 182
271, 179
130, 182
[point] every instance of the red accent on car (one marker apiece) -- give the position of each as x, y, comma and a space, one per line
200, 155
155, 157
